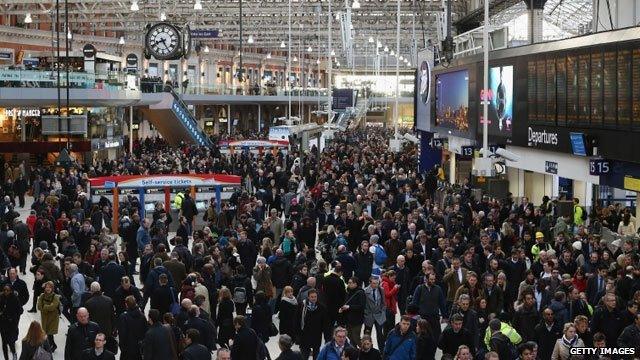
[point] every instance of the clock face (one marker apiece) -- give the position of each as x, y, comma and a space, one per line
163, 41
186, 41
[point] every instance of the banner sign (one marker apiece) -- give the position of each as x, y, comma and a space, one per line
154, 181
204, 33
254, 143
6, 54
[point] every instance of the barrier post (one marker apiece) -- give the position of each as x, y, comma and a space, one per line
115, 219
167, 200
141, 200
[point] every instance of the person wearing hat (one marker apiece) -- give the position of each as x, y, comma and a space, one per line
539, 246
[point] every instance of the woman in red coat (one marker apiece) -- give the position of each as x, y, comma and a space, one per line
390, 299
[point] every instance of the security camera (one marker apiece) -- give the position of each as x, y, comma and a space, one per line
411, 138
508, 155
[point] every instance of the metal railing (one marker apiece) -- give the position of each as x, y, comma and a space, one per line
49, 79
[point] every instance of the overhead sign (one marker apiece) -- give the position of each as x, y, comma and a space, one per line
6, 54
132, 60
551, 167
161, 180
467, 151
438, 143
89, 51
599, 167
204, 33
631, 183
577, 144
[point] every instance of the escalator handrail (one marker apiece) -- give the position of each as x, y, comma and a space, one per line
191, 118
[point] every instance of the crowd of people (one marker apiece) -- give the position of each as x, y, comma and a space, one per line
348, 254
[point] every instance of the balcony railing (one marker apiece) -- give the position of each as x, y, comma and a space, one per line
49, 79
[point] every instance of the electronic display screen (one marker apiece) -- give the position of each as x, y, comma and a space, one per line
531, 89
561, 90
501, 104
452, 100
423, 90
609, 88
577, 144
624, 87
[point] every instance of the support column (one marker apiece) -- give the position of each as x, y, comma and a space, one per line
536, 17
229, 119
167, 200
637, 206
116, 211
259, 117
452, 168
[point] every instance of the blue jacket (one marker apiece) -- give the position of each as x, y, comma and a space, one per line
395, 350
328, 351
142, 238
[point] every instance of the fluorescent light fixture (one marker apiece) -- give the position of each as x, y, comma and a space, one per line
134, 6
121, 41
27, 19
206, 49
370, 39
163, 16
250, 39
309, 49
197, 5
355, 5
282, 45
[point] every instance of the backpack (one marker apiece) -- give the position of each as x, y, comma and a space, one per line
380, 256
239, 295
262, 353
584, 213
288, 246
42, 354
512, 348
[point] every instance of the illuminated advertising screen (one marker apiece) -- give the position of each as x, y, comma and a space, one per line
501, 100
423, 90
452, 100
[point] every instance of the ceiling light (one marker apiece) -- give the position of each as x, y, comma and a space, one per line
27, 19
409, 64
400, 58
69, 35
392, 53
386, 49
371, 39
250, 39
163, 16
309, 49
206, 49
121, 41
318, 61
268, 55
134, 6
333, 53
337, 63
356, 4
295, 58
197, 5
338, 16
282, 45
220, 32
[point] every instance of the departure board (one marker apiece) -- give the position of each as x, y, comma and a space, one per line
624, 88
635, 90
551, 91
561, 90
609, 82
540, 91
531, 89
572, 90
596, 89
583, 89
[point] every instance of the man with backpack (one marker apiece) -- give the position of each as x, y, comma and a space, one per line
579, 214
379, 254
401, 342
500, 343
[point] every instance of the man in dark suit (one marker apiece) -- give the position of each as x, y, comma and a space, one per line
98, 352
546, 334
493, 294
111, 276
333, 295
158, 342
596, 286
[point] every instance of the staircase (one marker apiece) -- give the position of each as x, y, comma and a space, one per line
174, 121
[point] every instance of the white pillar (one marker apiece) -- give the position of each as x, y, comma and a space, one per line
536, 18
555, 189
452, 168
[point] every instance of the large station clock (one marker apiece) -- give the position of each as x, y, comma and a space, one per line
165, 41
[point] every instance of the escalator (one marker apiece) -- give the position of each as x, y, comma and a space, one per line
174, 121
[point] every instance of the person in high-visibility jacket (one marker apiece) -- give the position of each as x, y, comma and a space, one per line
177, 201
507, 331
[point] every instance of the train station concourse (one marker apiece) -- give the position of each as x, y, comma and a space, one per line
334, 180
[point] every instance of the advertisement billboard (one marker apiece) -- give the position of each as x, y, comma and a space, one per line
452, 100
423, 90
500, 101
